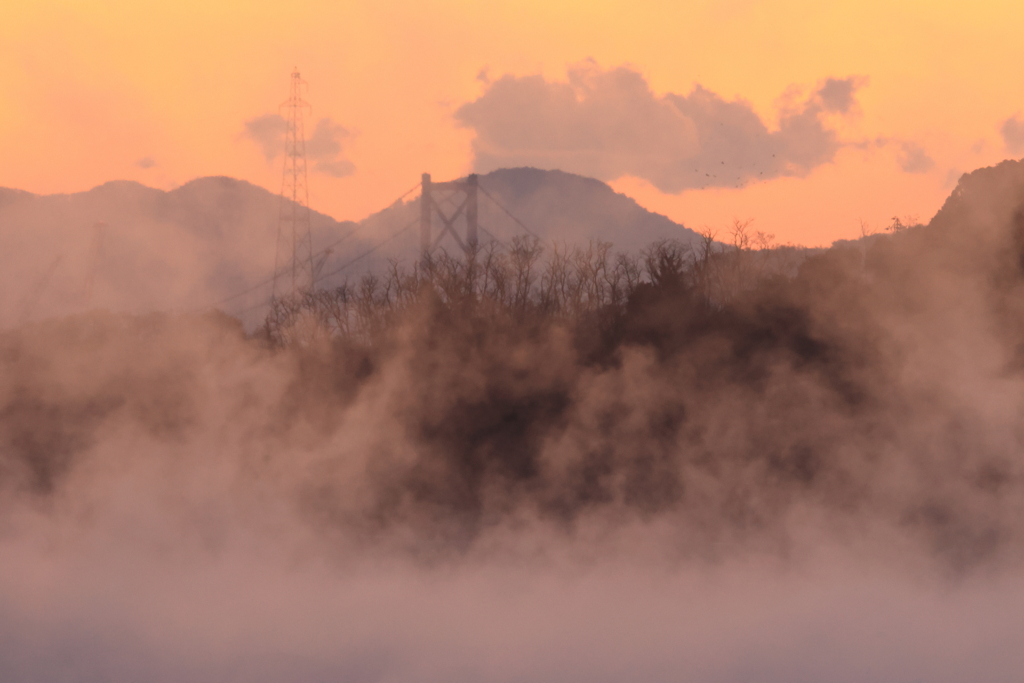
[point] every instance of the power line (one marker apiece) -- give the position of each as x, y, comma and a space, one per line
491, 235
281, 271
369, 251
277, 273
267, 302
337, 270
509, 213
407, 192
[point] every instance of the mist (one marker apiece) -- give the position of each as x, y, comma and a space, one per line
701, 462
212, 243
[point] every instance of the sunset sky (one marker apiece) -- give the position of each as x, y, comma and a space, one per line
872, 108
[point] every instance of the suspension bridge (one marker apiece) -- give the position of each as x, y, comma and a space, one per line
446, 211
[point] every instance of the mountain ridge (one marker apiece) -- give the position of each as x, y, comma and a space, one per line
553, 205
128, 247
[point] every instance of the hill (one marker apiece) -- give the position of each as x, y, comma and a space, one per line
127, 247
556, 207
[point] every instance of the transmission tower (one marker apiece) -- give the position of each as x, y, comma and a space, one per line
294, 241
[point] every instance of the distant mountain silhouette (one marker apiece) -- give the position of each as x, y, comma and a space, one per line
980, 223
987, 194
125, 246
212, 238
555, 206
982, 205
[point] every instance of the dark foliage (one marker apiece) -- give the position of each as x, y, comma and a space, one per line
721, 385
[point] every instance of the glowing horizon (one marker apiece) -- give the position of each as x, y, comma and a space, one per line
161, 94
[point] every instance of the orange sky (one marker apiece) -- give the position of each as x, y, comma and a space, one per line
89, 88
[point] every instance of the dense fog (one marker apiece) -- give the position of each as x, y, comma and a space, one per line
707, 461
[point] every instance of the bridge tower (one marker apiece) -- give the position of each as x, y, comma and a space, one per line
462, 195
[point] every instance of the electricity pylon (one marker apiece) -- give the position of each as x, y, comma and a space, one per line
294, 240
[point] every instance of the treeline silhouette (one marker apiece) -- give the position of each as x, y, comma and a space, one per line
768, 374
533, 285
717, 385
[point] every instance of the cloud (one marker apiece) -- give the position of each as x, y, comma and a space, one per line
911, 156
145, 162
1012, 131
268, 132
914, 159
838, 94
323, 147
608, 123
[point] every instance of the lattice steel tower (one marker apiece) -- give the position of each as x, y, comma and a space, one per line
294, 240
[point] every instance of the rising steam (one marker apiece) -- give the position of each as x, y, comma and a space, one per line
707, 464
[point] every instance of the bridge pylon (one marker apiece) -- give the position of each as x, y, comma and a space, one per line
462, 196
